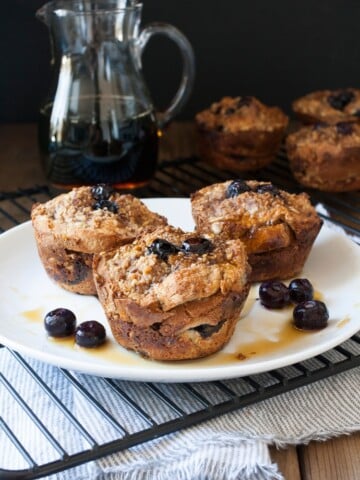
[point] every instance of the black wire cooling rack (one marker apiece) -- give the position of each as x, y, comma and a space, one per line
137, 418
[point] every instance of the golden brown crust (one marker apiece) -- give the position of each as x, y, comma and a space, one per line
232, 162
277, 228
68, 231
161, 307
71, 270
241, 114
159, 341
326, 157
319, 106
240, 130
284, 262
72, 218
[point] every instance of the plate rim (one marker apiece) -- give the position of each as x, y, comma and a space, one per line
189, 373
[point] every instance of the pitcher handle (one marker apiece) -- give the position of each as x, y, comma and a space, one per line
188, 73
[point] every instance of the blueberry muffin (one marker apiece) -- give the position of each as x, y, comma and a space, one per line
73, 226
328, 106
171, 295
277, 228
240, 133
326, 157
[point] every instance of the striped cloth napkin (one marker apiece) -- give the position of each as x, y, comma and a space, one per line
231, 446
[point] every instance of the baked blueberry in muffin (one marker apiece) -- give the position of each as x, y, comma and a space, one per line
73, 226
240, 133
326, 156
173, 295
329, 106
277, 228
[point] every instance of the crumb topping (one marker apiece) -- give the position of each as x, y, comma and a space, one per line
250, 210
149, 280
73, 217
330, 105
229, 115
338, 135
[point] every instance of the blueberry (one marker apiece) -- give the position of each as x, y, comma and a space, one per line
162, 248
90, 334
267, 188
344, 128
205, 330
197, 245
236, 187
274, 294
341, 99
60, 322
102, 191
311, 315
105, 205
300, 290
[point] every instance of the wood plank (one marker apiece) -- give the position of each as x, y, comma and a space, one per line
287, 461
19, 157
177, 141
337, 459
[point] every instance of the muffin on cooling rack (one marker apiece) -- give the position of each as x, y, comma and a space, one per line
73, 226
278, 228
326, 157
240, 133
172, 295
328, 106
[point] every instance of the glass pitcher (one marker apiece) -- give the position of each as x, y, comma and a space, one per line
98, 124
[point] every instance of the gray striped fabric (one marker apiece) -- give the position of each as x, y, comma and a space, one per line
233, 446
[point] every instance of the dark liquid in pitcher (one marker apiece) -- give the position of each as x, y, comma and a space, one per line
123, 154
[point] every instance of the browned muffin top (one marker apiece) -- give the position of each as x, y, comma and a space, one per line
229, 115
329, 105
168, 267
337, 135
90, 219
245, 206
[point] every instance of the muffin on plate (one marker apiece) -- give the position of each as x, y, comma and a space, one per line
73, 226
172, 295
277, 228
326, 157
328, 106
240, 133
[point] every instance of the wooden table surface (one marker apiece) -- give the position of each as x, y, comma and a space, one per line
20, 168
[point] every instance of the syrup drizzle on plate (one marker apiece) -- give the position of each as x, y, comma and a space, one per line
112, 352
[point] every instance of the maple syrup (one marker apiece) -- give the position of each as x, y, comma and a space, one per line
87, 153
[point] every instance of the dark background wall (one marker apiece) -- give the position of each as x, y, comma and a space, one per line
276, 50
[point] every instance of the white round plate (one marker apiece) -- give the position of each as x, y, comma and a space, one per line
263, 340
